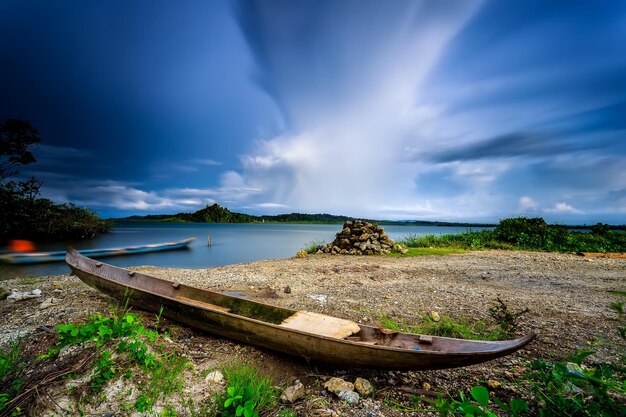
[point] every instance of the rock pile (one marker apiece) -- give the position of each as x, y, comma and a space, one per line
361, 238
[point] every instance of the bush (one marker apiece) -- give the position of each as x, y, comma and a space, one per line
528, 234
522, 231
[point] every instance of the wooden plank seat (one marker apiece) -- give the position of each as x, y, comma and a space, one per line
321, 324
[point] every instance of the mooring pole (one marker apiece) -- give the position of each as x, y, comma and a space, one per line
209, 240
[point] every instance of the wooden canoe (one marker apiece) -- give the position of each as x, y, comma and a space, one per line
18, 258
297, 333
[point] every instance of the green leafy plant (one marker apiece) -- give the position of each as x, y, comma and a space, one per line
11, 367
574, 389
478, 405
104, 371
247, 392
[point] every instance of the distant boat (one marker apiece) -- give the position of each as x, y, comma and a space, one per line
22, 258
298, 333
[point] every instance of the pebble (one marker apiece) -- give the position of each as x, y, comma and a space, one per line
493, 384
336, 385
287, 290
215, 377
19, 296
350, 397
293, 393
49, 302
363, 386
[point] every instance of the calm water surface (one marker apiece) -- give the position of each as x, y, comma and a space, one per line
231, 243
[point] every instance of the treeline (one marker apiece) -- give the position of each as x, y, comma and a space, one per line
218, 214
529, 234
40, 219
23, 215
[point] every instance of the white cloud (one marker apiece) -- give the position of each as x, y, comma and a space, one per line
562, 208
207, 162
270, 206
527, 203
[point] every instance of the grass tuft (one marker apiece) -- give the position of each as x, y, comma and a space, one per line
248, 393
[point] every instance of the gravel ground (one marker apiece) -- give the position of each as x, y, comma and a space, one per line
568, 298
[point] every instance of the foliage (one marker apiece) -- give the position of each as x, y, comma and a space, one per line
247, 394
16, 137
444, 326
479, 406
124, 334
41, 219
620, 311
527, 234
10, 367
424, 251
22, 214
506, 319
573, 389
313, 246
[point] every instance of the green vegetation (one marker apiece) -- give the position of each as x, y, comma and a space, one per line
504, 324
527, 234
10, 370
247, 394
217, 214
123, 349
574, 389
22, 214
313, 246
436, 325
480, 406
423, 251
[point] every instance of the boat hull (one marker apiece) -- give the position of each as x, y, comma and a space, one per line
152, 294
58, 256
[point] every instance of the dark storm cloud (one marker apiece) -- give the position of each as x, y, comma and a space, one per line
517, 144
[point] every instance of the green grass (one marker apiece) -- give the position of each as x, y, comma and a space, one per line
311, 247
248, 392
523, 233
445, 326
425, 251
10, 367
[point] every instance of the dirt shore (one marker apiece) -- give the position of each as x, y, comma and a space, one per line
567, 295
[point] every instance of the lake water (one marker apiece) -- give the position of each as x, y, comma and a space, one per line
231, 243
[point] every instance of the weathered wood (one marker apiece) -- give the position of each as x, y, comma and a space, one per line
261, 325
321, 324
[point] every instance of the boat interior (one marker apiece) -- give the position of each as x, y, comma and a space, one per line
314, 323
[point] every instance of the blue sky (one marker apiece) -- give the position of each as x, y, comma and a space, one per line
445, 110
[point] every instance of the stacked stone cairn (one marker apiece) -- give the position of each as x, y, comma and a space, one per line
361, 238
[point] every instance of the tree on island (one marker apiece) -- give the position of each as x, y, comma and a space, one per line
22, 214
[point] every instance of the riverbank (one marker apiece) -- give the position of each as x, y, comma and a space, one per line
568, 297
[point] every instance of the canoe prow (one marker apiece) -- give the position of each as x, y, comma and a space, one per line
309, 335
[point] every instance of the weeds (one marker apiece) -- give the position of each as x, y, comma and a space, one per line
479, 406
10, 369
313, 246
247, 392
506, 319
443, 326
526, 234
574, 389
425, 251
